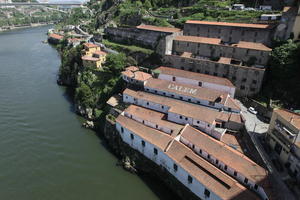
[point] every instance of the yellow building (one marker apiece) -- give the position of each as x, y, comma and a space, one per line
95, 60
284, 137
90, 48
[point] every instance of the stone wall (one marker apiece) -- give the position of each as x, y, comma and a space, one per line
248, 80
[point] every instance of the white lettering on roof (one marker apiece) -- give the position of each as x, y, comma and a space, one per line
182, 89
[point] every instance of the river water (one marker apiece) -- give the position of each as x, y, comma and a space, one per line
44, 151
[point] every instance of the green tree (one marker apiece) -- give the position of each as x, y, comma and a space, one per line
115, 62
84, 96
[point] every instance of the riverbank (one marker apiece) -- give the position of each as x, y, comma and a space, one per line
10, 28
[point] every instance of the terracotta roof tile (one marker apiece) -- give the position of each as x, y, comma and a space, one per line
252, 45
56, 36
132, 68
195, 76
100, 52
226, 154
232, 103
141, 76
153, 136
196, 39
211, 177
291, 117
158, 28
187, 90
153, 117
90, 45
244, 25
89, 58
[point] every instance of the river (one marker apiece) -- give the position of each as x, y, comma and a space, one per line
44, 151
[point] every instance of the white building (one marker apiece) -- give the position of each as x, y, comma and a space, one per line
206, 119
226, 159
196, 79
132, 75
199, 95
194, 172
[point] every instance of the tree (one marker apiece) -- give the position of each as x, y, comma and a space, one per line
84, 96
115, 62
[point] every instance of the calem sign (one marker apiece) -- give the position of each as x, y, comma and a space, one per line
182, 89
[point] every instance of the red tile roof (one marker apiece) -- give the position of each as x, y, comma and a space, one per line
187, 90
141, 76
196, 39
132, 68
100, 52
158, 28
153, 117
211, 177
243, 25
90, 45
252, 45
195, 76
89, 58
232, 158
292, 117
56, 36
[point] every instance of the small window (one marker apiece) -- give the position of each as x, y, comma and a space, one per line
206, 72
198, 70
180, 98
255, 187
155, 91
200, 151
198, 122
162, 107
215, 74
242, 87
155, 151
225, 167
182, 68
131, 136
175, 167
190, 179
254, 81
174, 78
193, 147
143, 143
122, 129
252, 89
246, 180
200, 84
235, 173
186, 118
189, 99
217, 161
244, 80
206, 193
147, 103
164, 94
208, 156
180, 117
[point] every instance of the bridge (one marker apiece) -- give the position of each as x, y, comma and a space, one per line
41, 4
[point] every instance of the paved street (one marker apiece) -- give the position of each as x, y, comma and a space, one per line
255, 129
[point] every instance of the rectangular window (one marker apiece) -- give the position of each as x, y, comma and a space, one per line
246, 180
235, 173
242, 87
131, 136
174, 78
143, 143
254, 81
208, 156
162, 107
200, 151
200, 84
217, 161
225, 167
206, 193
147, 103
122, 129
190, 179
255, 187
180, 117
175, 167
186, 118
155, 151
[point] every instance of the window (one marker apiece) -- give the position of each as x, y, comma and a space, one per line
242, 87
217, 161
255, 35
131, 136
206, 72
162, 107
200, 151
180, 117
225, 167
175, 167
215, 74
190, 179
233, 78
122, 129
198, 122
147, 103
255, 187
252, 89
180, 98
254, 81
189, 99
208, 156
206, 193
187, 44
155, 151
246, 180
186, 118
182, 68
143, 143
243, 33
198, 70
155, 91
244, 80
235, 173
174, 78
193, 147
200, 84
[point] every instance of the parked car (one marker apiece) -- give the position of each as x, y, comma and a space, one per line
252, 110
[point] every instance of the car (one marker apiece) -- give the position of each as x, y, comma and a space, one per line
252, 110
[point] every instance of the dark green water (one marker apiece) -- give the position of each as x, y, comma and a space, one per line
44, 152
